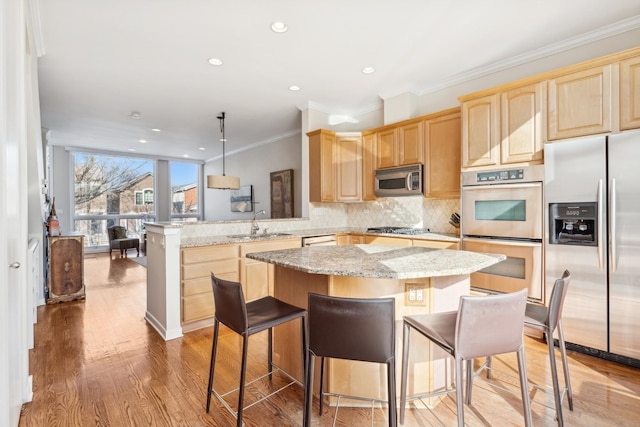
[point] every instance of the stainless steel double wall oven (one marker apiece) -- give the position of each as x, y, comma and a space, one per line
502, 212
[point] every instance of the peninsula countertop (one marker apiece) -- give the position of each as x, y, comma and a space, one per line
379, 261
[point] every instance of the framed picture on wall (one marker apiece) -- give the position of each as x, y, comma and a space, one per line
242, 199
282, 194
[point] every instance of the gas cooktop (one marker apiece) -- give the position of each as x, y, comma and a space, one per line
397, 230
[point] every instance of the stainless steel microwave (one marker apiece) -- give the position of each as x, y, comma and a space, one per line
399, 181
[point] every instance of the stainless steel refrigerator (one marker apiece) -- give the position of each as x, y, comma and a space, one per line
592, 200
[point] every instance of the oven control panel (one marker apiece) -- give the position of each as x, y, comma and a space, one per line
506, 175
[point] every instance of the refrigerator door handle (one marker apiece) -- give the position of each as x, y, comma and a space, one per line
600, 226
612, 221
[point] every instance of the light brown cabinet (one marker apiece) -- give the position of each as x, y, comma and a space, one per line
442, 156
335, 166
399, 145
66, 268
480, 131
257, 277
350, 239
630, 93
505, 127
436, 244
197, 265
522, 121
384, 240
580, 103
368, 166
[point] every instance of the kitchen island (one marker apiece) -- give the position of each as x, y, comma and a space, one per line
422, 280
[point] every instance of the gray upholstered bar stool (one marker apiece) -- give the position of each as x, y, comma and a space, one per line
352, 329
548, 320
247, 319
482, 326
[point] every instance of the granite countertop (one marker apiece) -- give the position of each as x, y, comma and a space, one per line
378, 261
246, 238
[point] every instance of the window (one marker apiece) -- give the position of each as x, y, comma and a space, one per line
111, 190
185, 190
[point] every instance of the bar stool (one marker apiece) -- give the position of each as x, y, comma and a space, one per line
482, 326
547, 320
352, 329
247, 319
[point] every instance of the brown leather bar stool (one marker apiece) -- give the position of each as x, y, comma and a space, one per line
352, 329
482, 326
548, 320
247, 319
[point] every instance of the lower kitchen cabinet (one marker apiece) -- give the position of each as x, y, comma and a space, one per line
227, 262
257, 276
350, 239
197, 265
383, 240
436, 244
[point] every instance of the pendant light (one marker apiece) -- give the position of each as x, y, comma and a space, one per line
223, 182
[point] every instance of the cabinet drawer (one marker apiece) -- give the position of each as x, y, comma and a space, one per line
209, 253
204, 269
197, 307
382, 240
269, 245
436, 244
203, 284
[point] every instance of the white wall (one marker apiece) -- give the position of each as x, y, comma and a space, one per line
254, 168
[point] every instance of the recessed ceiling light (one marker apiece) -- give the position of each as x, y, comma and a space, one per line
185, 156
279, 27
134, 115
294, 88
156, 130
201, 148
142, 141
368, 70
215, 61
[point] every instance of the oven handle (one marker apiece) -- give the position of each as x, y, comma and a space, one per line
600, 225
525, 243
502, 186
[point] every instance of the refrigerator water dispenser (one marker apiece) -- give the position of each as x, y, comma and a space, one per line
573, 224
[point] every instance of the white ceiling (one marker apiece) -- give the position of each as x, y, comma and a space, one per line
106, 59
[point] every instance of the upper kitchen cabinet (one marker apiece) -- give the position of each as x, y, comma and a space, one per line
399, 144
368, 166
442, 155
580, 103
504, 127
522, 124
335, 166
630, 93
480, 131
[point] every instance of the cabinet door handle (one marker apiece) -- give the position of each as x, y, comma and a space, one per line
14, 265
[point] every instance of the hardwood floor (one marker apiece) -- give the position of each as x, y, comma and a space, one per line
98, 363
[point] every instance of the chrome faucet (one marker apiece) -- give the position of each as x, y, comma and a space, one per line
254, 225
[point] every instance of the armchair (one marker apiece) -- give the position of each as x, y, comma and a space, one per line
118, 239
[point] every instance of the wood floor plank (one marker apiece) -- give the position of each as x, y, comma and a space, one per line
98, 363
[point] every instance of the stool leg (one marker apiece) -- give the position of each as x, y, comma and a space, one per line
524, 387
243, 372
214, 348
554, 378
308, 389
321, 384
469, 380
459, 397
405, 367
270, 355
391, 385
565, 365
